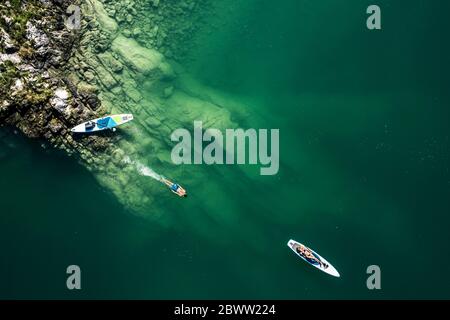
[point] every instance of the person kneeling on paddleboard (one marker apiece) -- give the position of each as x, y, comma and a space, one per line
175, 188
309, 255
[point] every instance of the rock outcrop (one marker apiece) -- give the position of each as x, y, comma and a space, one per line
119, 61
36, 97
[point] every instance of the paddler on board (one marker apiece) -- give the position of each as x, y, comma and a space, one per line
309, 255
175, 188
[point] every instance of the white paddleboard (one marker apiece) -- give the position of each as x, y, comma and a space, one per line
104, 123
325, 266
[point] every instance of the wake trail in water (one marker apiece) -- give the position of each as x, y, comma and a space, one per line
144, 170
148, 172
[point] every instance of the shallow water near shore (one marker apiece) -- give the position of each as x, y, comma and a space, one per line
364, 176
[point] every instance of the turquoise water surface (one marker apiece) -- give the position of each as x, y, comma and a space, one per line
364, 176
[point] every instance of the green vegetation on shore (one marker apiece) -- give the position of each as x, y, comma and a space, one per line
8, 73
19, 15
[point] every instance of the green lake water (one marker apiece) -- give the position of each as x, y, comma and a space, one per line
364, 176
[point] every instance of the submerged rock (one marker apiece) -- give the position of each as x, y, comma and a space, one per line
141, 59
168, 92
94, 7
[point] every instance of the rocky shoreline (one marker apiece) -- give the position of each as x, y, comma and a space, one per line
37, 98
123, 59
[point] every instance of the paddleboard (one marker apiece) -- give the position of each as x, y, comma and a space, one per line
100, 124
325, 266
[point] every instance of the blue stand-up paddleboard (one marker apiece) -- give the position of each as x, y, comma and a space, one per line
100, 124
312, 258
